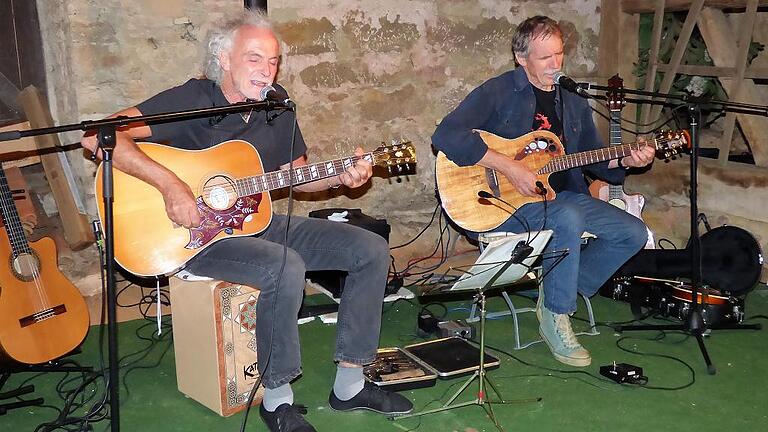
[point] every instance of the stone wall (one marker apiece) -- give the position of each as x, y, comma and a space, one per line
361, 71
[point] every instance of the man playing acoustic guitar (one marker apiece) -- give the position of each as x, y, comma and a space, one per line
525, 100
242, 59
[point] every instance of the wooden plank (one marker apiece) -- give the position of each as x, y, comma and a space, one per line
715, 71
645, 6
653, 56
745, 37
18, 152
677, 55
608, 53
630, 29
77, 229
721, 46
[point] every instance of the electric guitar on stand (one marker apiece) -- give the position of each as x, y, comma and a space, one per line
614, 194
43, 316
232, 194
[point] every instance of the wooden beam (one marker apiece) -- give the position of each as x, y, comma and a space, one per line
722, 47
750, 72
677, 55
653, 56
77, 228
645, 6
745, 38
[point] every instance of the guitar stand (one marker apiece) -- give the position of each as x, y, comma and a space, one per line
53, 366
694, 324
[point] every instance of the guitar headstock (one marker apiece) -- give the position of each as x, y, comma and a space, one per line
397, 156
671, 143
615, 95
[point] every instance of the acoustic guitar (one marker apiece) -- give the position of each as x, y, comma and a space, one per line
542, 152
232, 193
610, 193
43, 316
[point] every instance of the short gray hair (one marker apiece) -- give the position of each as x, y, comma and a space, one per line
537, 27
220, 39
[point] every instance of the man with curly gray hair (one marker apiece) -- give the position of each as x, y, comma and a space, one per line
243, 59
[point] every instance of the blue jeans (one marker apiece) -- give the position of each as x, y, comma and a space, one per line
619, 236
313, 244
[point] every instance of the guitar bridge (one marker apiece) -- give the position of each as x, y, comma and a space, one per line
42, 315
493, 182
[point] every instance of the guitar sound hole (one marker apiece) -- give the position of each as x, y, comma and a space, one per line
219, 193
26, 266
620, 203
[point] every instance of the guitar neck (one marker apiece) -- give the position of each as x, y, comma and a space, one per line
568, 161
299, 175
614, 124
13, 226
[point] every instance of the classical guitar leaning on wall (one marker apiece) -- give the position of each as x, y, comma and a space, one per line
43, 316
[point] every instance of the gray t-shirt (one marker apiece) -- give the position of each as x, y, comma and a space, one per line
272, 140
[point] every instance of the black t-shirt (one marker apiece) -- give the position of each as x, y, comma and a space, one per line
272, 140
545, 118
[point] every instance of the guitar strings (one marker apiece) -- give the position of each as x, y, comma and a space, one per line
243, 186
15, 232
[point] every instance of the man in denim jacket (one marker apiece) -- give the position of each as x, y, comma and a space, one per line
526, 99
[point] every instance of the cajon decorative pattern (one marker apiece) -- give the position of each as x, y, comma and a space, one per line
214, 333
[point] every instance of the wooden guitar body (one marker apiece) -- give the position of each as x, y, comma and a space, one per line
232, 193
458, 186
631, 203
42, 315
147, 243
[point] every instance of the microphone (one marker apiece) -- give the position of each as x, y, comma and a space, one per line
269, 93
542, 190
569, 84
487, 195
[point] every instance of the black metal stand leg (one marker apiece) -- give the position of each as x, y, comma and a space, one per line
481, 399
107, 141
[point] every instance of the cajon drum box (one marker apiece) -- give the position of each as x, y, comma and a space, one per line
214, 339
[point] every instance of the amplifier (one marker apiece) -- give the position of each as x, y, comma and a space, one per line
214, 340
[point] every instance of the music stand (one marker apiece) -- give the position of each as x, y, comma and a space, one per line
500, 264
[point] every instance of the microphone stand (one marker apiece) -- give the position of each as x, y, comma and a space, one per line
694, 324
106, 134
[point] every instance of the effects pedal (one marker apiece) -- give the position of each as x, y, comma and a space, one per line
458, 328
623, 373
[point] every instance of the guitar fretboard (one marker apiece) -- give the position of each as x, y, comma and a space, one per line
13, 227
304, 174
615, 192
568, 161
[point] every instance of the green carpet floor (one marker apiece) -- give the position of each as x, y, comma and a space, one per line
572, 399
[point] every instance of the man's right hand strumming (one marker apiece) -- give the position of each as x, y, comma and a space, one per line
521, 177
180, 204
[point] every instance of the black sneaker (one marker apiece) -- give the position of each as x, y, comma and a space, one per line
372, 398
286, 418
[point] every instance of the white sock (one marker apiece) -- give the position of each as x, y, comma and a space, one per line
275, 397
349, 382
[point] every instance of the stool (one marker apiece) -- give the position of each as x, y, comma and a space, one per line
485, 238
214, 340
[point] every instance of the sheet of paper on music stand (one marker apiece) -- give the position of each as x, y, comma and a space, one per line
496, 254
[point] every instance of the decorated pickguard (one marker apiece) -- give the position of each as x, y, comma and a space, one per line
216, 221
538, 146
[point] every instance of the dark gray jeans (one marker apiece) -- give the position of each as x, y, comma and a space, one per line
313, 244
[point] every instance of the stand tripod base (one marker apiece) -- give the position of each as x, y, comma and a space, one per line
698, 334
481, 400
